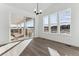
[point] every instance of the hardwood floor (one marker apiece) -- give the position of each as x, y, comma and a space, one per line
39, 47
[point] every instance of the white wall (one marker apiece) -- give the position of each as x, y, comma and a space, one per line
36, 25
73, 38
4, 24
5, 15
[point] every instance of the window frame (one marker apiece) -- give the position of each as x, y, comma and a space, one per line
58, 24
48, 24
68, 18
56, 21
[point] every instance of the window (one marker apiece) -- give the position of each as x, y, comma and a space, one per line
65, 20
59, 21
29, 24
45, 24
22, 24
53, 23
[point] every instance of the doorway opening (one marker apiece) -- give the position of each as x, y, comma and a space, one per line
23, 28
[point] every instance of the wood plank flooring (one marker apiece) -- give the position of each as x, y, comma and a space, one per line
39, 47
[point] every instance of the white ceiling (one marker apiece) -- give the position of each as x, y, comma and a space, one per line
29, 7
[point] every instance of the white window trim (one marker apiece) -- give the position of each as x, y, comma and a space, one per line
58, 26
48, 25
